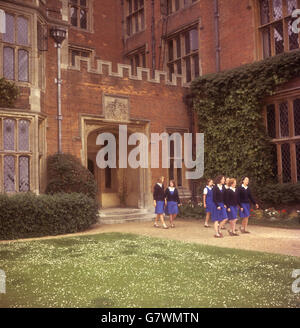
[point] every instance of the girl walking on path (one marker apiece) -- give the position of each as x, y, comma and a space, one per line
208, 200
219, 214
231, 201
172, 202
244, 198
159, 202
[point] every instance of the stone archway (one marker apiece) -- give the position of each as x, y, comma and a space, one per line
117, 187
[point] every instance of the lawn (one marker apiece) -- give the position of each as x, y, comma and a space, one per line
126, 270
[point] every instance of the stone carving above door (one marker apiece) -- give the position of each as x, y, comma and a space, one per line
116, 108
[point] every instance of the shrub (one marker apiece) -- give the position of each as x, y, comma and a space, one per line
191, 211
65, 173
28, 215
278, 194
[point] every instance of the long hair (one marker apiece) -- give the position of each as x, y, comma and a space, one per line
231, 182
243, 178
160, 179
218, 179
174, 184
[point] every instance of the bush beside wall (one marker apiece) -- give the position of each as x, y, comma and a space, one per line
65, 173
27, 215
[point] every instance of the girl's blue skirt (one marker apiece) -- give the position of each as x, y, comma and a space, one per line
172, 207
209, 207
233, 212
246, 212
219, 215
159, 208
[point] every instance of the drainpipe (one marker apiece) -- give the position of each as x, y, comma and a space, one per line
153, 37
217, 35
59, 35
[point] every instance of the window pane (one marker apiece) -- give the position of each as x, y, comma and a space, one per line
137, 60
177, 2
266, 39
297, 116
169, 7
23, 65
141, 3
291, 5
136, 19
144, 60
187, 43
83, 3
9, 174
142, 19
130, 6
277, 9
179, 177
278, 38
298, 161
23, 135
274, 160
9, 35
83, 18
129, 26
178, 47
284, 120
135, 4
23, 173
171, 169
9, 134
22, 31
264, 12
188, 69
171, 71
196, 65
8, 63
194, 39
73, 16
271, 121
293, 37
286, 163
170, 50
179, 68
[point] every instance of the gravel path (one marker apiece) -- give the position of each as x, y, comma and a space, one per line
266, 239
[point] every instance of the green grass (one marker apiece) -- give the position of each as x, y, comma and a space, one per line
125, 270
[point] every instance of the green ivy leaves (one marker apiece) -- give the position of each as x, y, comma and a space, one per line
229, 108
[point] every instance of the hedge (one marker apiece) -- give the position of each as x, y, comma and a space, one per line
278, 194
28, 215
65, 173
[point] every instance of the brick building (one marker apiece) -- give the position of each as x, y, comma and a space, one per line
130, 62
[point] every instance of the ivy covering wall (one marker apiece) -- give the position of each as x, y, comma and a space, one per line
8, 93
229, 108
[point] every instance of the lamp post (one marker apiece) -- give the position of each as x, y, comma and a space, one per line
59, 35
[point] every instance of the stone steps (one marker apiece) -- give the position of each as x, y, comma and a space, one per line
123, 215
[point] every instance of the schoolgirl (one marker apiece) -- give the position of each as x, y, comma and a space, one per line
244, 198
159, 202
231, 201
208, 200
173, 201
219, 214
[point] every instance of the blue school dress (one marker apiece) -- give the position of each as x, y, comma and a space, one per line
172, 201
218, 201
209, 200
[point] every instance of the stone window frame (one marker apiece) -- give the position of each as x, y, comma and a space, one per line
266, 38
16, 153
137, 58
81, 50
89, 12
173, 59
16, 47
292, 140
136, 16
173, 6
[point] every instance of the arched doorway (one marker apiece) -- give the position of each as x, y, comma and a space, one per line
117, 187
